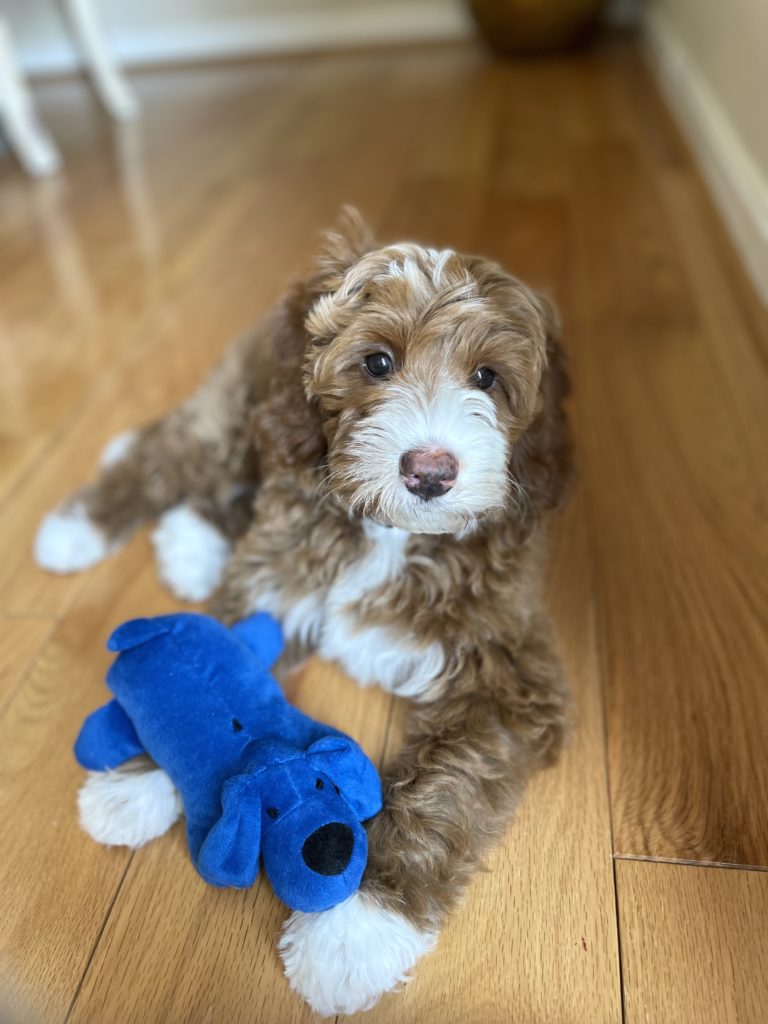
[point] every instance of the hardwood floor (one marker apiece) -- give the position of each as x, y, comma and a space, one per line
121, 283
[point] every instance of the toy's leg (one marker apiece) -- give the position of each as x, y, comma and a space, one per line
107, 739
450, 794
129, 806
197, 465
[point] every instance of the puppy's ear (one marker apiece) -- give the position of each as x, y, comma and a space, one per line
541, 460
288, 425
341, 248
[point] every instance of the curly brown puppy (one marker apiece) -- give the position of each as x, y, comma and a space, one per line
412, 437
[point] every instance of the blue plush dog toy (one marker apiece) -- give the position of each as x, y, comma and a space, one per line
256, 776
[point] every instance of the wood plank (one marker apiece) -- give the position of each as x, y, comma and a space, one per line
694, 943
56, 884
20, 641
669, 451
545, 909
110, 255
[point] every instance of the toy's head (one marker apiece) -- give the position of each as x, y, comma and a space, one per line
304, 811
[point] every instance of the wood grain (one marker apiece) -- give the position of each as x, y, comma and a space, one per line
118, 290
694, 944
668, 395
20, 641
56, 884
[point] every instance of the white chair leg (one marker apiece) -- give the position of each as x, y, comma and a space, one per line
112, 88
28, 138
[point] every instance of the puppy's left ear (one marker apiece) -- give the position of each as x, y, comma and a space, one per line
344, 762
542, 459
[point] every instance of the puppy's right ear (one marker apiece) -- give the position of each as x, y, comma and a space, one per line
341, 248
288, 425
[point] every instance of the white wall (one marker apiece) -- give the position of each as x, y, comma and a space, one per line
712, 61
728, 42
159, 31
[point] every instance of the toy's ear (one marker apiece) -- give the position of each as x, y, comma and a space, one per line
136, 632
229, 854
263, 635
344, 761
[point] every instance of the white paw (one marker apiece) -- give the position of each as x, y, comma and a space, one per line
342, 960
190, 552
68, 541
128, 808
117, 448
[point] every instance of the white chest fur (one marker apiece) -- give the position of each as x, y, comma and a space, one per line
373, 654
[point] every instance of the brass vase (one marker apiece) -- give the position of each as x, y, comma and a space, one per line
514, 27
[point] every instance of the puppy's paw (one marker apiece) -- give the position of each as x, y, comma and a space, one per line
128, 808
342, 960
191, 553
69, 541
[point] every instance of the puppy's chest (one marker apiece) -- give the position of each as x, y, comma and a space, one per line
342, 622
383, 562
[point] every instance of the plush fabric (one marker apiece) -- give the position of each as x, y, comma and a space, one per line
256, 776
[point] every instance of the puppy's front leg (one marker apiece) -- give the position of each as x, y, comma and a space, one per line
448, 797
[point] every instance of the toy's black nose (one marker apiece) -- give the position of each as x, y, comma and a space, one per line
328, 850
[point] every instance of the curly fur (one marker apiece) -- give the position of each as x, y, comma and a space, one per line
319, 447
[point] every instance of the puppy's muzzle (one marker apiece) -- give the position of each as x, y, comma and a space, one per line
328, 850
428, 473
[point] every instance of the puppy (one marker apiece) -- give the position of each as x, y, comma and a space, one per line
384, 497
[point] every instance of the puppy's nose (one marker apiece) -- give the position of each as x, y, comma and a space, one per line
329, 849
428, 473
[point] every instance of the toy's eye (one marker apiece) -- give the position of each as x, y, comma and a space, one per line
236, 726
483, 378
379, 364
272, 812
337, 789
319, 783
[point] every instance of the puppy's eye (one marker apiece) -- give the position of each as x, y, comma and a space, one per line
379, 364
272, 812
483, 378
319, 783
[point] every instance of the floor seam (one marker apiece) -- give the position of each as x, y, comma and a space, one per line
597, 641
683, 862
97, 940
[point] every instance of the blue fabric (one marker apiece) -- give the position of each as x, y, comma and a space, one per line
257, 777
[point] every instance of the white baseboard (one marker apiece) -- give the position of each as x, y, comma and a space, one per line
223, 38
737, 184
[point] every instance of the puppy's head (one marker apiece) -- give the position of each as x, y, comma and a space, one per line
436, 383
